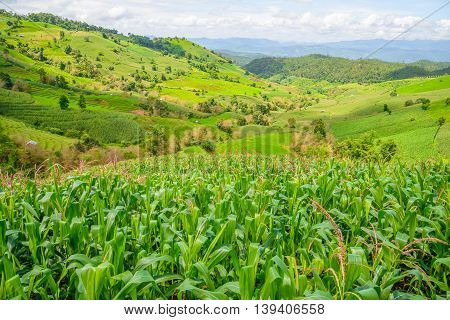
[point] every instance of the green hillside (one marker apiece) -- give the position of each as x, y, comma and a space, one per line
343, 70
138, 168
132, 96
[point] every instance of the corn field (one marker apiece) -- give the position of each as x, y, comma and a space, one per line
228, 228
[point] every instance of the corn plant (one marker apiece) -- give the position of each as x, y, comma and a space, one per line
228, 228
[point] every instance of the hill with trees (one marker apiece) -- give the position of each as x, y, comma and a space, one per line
78, 94
343, 70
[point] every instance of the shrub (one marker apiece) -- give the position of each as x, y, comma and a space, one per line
55, 131
241, 121
423, 101
409, 103
21, 86
291, 123
225, 126
5, 80
72, 133
61, 82
367, 147
89, 142
9, 155
319, 128
82, 102
128, 155
208, 146
63, 102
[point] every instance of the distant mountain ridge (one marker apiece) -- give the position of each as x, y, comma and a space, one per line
398, 51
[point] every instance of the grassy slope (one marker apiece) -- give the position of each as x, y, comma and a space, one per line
410, 127
186, 85
21, 133
126, 58
350, 109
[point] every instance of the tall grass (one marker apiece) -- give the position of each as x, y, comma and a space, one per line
228, 228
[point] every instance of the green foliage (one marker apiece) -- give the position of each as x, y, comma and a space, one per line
9, 156
160, 44
86, 143
82, 102
228, 228
5, 81
105, 126
66, 23
63, 102
208, 146
319, 128
291, 123
207, 106
409, 103
423, 101
241, 121
440, 123
335, 69
367, 148
61, 82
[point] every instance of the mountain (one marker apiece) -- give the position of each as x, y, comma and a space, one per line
240, 58
397, 51
343, 70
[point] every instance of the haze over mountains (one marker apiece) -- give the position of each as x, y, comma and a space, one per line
397, 51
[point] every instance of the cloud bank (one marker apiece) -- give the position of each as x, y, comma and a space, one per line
290, 20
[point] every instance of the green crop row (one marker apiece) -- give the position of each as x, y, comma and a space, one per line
228, 228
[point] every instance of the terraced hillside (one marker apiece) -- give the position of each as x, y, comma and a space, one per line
131, 96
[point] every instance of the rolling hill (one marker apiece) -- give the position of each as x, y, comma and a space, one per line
133, 96
343, 70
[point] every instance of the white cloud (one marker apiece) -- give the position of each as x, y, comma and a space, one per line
117, 12
264, 19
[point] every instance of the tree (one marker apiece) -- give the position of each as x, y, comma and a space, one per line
447, 102
291, 123
319, 128
6, 80
63, 102
440, 123
208, 146
42, 75
61, 82
68, 50
241, 121
423, 101
82, 102
41, 56
264, 109
367, 148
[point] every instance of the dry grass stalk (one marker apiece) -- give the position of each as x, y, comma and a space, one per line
430, 239
342, 249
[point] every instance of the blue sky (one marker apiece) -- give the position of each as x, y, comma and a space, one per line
287, 20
